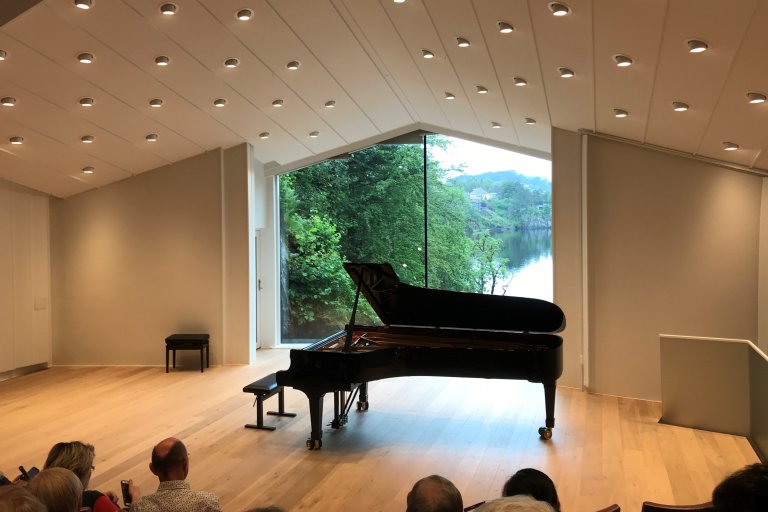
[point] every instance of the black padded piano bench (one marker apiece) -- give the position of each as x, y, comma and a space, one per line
264, 388
176, 342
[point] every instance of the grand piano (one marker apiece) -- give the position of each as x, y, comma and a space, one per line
427, 332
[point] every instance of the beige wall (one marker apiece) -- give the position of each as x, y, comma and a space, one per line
672, 248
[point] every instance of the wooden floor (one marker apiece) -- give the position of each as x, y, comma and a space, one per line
475, 432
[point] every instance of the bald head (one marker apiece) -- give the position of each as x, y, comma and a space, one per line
434, 494
170, 460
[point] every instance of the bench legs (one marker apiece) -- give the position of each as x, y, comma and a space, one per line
260, 409
203, 360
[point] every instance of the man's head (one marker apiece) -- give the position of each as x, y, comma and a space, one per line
743, 491
58, 488
434, 494
170, 460
16, 498
75, 456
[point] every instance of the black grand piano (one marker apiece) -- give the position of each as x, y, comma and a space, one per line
427, 332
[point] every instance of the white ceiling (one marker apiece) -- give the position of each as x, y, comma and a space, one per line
366, 55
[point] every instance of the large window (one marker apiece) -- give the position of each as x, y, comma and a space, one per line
444, 212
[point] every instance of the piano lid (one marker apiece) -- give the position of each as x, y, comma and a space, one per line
399, 303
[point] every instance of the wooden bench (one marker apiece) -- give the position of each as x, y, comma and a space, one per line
264, 388
176, 342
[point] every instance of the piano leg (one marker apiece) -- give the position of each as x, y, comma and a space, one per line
315, 441
549, 404
362, 402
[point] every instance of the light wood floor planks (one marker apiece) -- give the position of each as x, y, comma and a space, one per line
475, 432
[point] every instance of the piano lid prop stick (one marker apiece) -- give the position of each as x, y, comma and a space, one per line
351, 326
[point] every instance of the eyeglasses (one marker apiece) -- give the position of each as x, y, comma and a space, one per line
473, 507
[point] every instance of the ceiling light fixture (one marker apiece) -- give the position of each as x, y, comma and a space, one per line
85, 58
152, 137
530, 120
505, 28
84, 4
730, 146
16, 140
427, 54
559, 9
494, 124
565, 72
520, 82
87, 102
462, 42
244, 14
8, 101
314, 134
622, 60
697, 46
169, 9
293, 65
162, 60
88, 170
219, 102
450, 95
399, 1
87, 139
620, 112
679, 106
481, 90
330, 104
277, 103
155, 103
231, 62
755, 97
3, 55
264, 135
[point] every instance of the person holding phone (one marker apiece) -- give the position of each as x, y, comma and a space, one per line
78, 458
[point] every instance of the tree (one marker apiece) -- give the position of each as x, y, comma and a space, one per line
490, 268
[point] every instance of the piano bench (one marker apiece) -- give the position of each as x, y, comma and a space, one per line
176, 342
264, 388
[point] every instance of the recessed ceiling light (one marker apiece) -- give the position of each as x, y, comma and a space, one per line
565, 72
620, 112
450, 96
88, 170
219, 102
755, 97
622, 60
730, 146
679, 106
231, 62
427, 54
314, 134
505, 28
87, 102
264, 135
244, 14
16, 140
399, 1
330, 104
155, 103
293, 65
162, 60
277, 103
559, 9
152, 137
481, 90
461, 42
85, 58
169, 9
8, 101
697, 46
84, 4
3, 54
530, 120
520, 81
87, 139
494, 124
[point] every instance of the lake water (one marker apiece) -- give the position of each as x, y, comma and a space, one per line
529, 267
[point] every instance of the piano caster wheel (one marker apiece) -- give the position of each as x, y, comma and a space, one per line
362, 406
545, 433
314, 444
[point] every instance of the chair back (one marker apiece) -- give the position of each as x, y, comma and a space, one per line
649, 506
611, 508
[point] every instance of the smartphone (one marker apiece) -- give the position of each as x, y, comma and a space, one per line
126, 493
28, 475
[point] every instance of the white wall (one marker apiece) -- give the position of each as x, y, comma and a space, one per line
25, 319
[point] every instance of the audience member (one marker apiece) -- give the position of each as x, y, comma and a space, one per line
16, 498
518, 503
58, 488
259, 509
170, 463
434, 494
745, 490
534, 483
78, 458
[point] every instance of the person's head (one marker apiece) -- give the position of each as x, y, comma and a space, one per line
58, 488
170, 460
15, 498
743, 491
74, 456
534, 483
434, 494
519, 503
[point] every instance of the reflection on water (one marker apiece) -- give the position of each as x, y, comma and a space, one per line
529, 266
